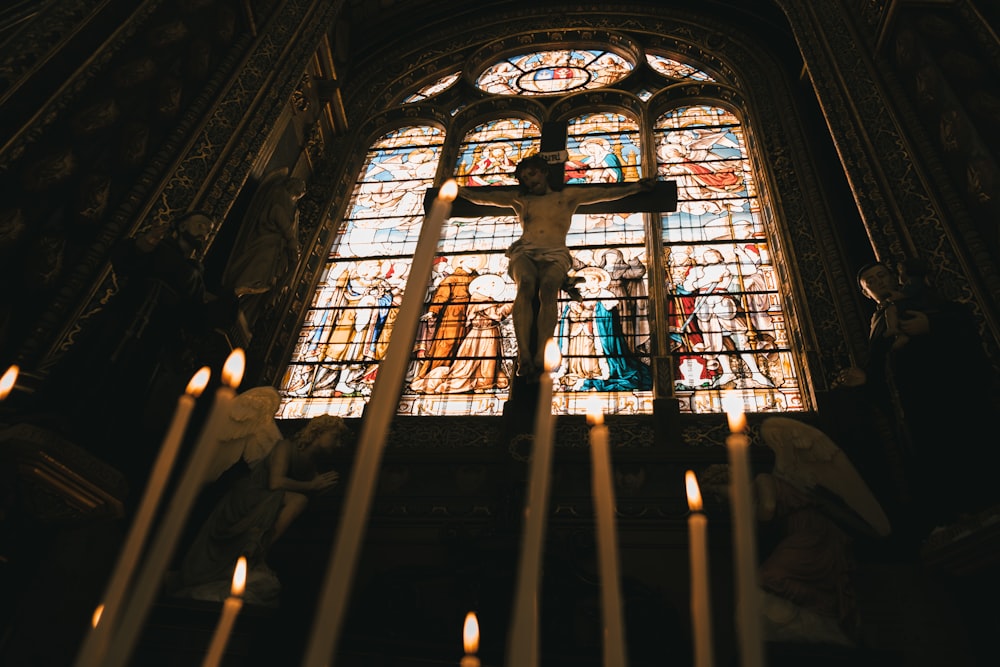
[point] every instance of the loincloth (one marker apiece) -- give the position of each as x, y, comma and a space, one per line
558, 256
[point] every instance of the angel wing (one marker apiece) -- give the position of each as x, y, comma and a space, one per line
808, 459
250, 432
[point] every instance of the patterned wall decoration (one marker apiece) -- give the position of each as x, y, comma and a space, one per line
216, 164
83, 165
899, 183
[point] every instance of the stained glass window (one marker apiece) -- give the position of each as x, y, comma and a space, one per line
605, 339
675, 69
723, 320
727, 330
465, 346
347, 329
433, 89
554, 72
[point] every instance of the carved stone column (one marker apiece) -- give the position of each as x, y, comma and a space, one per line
907, 207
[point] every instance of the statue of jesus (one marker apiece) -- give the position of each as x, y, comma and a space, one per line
540, 260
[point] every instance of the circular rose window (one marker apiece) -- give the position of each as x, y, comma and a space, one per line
554, 72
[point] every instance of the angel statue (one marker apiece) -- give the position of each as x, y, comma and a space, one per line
813, 504
257, 509
819, 502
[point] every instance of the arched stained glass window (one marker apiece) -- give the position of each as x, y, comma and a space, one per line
727, 329
347, 329
605, 339
465, 347
721, 325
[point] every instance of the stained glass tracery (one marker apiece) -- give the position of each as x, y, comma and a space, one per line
724, 324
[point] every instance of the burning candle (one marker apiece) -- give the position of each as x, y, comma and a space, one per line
378, 416
607, 541
701, 608
748, 610
162, 550
8, 381
523, 644
470, 640
95, 645
230, 608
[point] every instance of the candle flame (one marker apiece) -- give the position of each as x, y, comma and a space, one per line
96, 618
232, 370
693, 492
552, 356
8, 380
733, 405
449, 190
595, 415
240, 576
198, 381
470, 633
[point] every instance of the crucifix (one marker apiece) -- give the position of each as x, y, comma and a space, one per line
544, 205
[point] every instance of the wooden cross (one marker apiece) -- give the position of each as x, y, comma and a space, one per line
662, 198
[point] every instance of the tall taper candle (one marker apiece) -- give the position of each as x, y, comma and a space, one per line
522, 644
701, 606
378, 416
607, 542
161, 551
230, 608
95, 645
748, 609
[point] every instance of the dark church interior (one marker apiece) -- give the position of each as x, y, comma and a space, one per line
870, 122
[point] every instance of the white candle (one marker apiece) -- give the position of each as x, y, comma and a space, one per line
522, 649
95, 644
230, 608
701, 607
8, 381
470, 640
162, 550
748, 609
378, 416
607, 541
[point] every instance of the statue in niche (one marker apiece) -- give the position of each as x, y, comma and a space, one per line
811, 508
266, 251
159, 327
902, 385
165, 299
